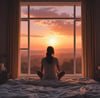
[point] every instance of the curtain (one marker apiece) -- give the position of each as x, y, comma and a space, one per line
88, 38
13, 36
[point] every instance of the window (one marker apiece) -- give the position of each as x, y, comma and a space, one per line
50, 25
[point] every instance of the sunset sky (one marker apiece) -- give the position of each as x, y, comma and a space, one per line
54, 32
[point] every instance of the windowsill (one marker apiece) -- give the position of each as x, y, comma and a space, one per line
34, 76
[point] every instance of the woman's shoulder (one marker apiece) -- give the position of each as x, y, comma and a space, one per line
55, 58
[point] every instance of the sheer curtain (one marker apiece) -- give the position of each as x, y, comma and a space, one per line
13, 36
88, 35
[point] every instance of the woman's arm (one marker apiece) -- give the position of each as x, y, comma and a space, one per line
58, 69
42, 65
42, 68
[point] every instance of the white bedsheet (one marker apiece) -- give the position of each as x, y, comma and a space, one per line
66, 88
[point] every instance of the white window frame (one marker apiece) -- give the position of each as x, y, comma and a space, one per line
75, 19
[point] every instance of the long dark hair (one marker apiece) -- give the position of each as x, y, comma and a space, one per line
50, 52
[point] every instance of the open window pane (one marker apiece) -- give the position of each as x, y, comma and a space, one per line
78, 11
24, 61
57, 33
51, 11
24, 35
78, 48
24, 11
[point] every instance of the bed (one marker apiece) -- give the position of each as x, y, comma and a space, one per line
29, 87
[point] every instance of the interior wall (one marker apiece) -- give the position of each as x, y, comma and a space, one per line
3, 30
97, 29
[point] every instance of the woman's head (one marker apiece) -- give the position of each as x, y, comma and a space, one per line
50, 52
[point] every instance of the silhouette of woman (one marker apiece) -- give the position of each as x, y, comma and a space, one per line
50, 67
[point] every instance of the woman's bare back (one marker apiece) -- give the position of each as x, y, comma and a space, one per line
50, 70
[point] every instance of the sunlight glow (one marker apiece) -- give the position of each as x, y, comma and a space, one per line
52, 41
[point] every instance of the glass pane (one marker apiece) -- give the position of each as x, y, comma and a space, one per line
78, 11
51, 11
24, 11
56, 33
78, 48
24, 61
24, 34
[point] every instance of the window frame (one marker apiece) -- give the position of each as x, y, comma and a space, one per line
75, 19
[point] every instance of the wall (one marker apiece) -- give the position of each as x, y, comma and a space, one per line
97, 29
3, 29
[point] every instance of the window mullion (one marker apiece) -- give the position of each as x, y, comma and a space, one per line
28, 40
23, 48
74, 40
26, 19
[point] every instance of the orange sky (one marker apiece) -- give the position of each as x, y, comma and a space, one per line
57, 33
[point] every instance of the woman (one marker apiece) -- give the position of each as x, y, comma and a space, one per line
50, 67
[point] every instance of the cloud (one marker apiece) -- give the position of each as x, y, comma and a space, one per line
45, 12
63, 27
40, 36
60, 26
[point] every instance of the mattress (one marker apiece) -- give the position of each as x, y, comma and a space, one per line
65, 88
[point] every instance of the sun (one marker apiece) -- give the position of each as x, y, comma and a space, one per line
52, 41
